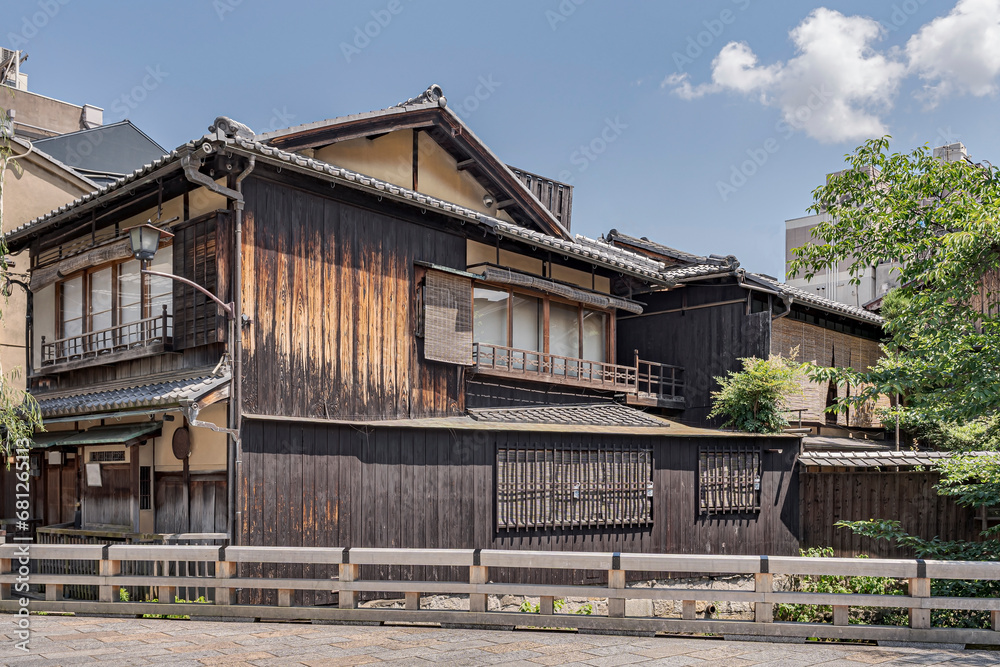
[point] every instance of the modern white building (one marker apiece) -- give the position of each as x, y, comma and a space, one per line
836, 284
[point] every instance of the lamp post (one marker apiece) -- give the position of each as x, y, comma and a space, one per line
145, 241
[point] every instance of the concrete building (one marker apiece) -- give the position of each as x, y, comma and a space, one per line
835, 284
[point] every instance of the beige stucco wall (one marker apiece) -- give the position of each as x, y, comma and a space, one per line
31, 191
55, 116
208, 448
827, 348
480, 252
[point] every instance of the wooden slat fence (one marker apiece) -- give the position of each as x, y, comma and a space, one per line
229, 561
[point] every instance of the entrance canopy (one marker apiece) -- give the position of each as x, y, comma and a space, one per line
120, 434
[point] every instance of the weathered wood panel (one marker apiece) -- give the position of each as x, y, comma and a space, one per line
434, 488
330, 288
907, 497
197, 320
110, 503
707, 341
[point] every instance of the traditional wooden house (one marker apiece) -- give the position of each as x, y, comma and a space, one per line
712, 312
412, 349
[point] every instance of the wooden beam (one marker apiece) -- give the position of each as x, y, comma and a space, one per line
465, 164
505, 203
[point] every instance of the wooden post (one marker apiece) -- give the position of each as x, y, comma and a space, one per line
285, 597
763, 612
616, 605
53, 592
225, 570
478, 574
840, 614
133, 498
995, 620
920, 618
109, 568
349, 572
5, 568
186, 498
413, 601
546, 605
687, 610
166, 594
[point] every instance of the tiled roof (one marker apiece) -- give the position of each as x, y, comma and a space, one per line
589, 250
660, 249
167, 392
598, 414
863, 459
803, 296
681, 273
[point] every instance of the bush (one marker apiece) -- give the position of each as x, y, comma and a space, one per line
804, 613
753, 399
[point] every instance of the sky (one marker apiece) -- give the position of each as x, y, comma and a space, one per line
701, 125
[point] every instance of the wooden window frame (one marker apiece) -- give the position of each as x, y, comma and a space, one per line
580, 486
86, 323
725, 488
546, 299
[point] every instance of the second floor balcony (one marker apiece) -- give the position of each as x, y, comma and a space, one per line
644, 383
131, 340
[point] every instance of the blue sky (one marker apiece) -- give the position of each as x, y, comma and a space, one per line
670, 97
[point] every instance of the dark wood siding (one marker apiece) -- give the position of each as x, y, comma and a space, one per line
707, 342
109, 504
907, 497
329, 286
197, 320
345, 486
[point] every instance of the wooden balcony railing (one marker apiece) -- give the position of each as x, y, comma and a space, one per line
647, 382
353, 573
132, 339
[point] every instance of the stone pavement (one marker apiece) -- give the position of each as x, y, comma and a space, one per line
117, 641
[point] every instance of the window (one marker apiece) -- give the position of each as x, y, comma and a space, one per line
145, 487
96, 306
71, 312
729, 479
569, 487
508, 319
108, 456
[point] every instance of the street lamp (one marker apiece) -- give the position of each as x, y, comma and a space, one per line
145, 241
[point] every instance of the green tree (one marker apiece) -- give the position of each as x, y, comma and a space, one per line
19, 413
754, 399
941, 222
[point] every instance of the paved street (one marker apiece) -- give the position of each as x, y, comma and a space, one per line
110, 641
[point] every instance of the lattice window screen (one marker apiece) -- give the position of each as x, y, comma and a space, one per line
729, 479
574, 487
448, 318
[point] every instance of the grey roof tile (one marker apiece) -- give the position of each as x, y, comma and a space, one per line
167, 392
660, 249
878, 459
598, 414
803, 296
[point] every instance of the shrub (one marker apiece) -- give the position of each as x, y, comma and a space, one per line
753, 399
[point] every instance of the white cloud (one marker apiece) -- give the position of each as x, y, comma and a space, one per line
835, 88
958, 53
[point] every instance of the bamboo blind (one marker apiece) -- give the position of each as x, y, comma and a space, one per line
448, 318
570, 487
